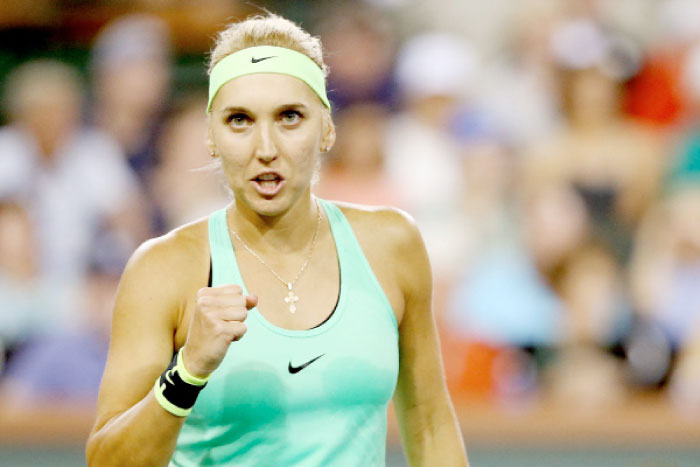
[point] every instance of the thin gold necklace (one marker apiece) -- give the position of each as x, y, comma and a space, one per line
291, 298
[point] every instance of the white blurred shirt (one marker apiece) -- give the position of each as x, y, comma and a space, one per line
68, 198
423, 163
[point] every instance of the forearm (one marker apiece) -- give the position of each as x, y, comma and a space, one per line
433, 438
144, 435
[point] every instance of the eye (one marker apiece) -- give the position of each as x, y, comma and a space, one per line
291, 117
238, 120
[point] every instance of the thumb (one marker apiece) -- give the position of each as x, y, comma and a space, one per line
251, 301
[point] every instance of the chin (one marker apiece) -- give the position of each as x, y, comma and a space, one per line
268, 207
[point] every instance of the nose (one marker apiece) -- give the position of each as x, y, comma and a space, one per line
265, 149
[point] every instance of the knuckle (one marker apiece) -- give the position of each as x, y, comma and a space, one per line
205, 301
205, 322
240, 328
220, 328
235, 314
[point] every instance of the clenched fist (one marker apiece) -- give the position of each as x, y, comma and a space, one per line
218, 320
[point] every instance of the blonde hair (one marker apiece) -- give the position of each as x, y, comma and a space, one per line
271, 30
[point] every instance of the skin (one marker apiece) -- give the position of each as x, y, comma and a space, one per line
264, 122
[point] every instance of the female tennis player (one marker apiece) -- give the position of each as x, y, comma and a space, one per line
277, 330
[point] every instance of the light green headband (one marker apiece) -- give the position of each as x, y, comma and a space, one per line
267, 59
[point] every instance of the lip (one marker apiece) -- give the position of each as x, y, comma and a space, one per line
264, 191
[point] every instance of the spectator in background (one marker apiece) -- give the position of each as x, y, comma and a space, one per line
519, 89
73, 180
183, 188
31, 305
361, 48
657, 94
422, 152
499, 343
665, 277
587, 277
131, 73
64, 368
611, 168
581, 191
684, 387
355, 171
523, 342
613, 164
666, 270
585, 374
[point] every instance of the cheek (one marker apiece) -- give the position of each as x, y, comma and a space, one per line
233, 170
234, 152
301, 152
234, 167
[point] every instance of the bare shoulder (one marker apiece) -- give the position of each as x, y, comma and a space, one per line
167, 267
390, 239
181, 248
381, 224
175, 246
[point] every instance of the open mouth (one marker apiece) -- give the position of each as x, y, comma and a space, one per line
269, 180
268, 183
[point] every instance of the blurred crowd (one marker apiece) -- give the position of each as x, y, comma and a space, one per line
554, 171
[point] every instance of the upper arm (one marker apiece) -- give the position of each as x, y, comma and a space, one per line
421, 379
428, 424
146, 313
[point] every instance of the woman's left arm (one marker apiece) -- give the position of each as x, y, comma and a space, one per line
429, 428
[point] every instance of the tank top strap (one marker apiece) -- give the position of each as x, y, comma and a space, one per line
224, 267
345, 241
355, 269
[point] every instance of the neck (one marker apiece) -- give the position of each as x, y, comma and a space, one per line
284, 233
46, 145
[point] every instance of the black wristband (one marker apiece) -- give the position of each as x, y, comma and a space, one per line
173, 393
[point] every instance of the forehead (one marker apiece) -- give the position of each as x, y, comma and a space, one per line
260, 91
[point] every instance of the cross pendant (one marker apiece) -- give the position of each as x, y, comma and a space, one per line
291, 299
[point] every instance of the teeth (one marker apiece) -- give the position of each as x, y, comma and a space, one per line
266, 177
268, 183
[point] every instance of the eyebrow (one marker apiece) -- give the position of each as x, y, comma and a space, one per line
241, 109
293, 105
234, 109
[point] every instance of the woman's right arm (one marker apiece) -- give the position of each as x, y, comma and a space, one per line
131, 428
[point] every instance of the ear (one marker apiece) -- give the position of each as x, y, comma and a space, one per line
328, 135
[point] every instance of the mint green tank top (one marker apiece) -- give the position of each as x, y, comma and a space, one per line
260, 409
